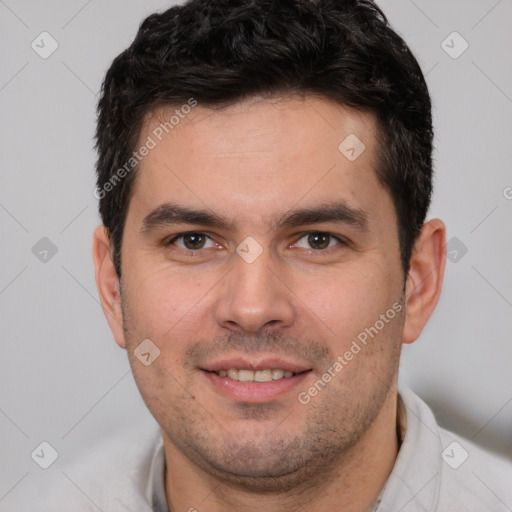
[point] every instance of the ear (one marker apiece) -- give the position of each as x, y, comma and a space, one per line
107, 283
425, 278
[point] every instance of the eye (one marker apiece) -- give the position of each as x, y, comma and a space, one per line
192, 241
318, 241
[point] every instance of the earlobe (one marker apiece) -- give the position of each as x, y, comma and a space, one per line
425, 278
107, 283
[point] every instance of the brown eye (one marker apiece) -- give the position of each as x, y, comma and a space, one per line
192, 241
318, 241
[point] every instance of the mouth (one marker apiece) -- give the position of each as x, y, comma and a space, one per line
248, 382
256, 376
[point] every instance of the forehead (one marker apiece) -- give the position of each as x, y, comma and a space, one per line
260, 156
278, 123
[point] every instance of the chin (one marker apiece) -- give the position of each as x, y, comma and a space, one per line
266, 467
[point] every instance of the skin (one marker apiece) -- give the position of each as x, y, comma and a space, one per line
251, 163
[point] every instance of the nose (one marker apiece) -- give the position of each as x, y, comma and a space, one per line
254, 296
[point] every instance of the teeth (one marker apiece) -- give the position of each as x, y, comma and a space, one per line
245, 375
277, 374
263, 376
255, 376
233, 374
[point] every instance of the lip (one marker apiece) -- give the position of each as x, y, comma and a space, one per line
267, 363
254, 392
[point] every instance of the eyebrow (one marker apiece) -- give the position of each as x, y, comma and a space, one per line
336, 212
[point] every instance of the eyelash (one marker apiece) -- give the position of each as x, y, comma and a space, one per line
341, 241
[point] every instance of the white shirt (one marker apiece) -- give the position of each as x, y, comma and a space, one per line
435, 471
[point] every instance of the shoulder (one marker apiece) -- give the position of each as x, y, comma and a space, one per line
472, 477
112, 475
465, 476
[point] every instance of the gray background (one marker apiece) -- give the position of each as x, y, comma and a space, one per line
63, 379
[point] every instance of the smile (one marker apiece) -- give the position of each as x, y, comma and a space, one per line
255, 376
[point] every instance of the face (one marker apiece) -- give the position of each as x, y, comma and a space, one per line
254, 248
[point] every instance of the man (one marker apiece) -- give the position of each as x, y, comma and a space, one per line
264, 176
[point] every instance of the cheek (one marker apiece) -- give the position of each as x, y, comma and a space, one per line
346, 292
160, 304
344, 303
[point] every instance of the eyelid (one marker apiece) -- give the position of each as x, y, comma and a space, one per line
341, 240
184, 233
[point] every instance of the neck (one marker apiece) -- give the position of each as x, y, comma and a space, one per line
352, 484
